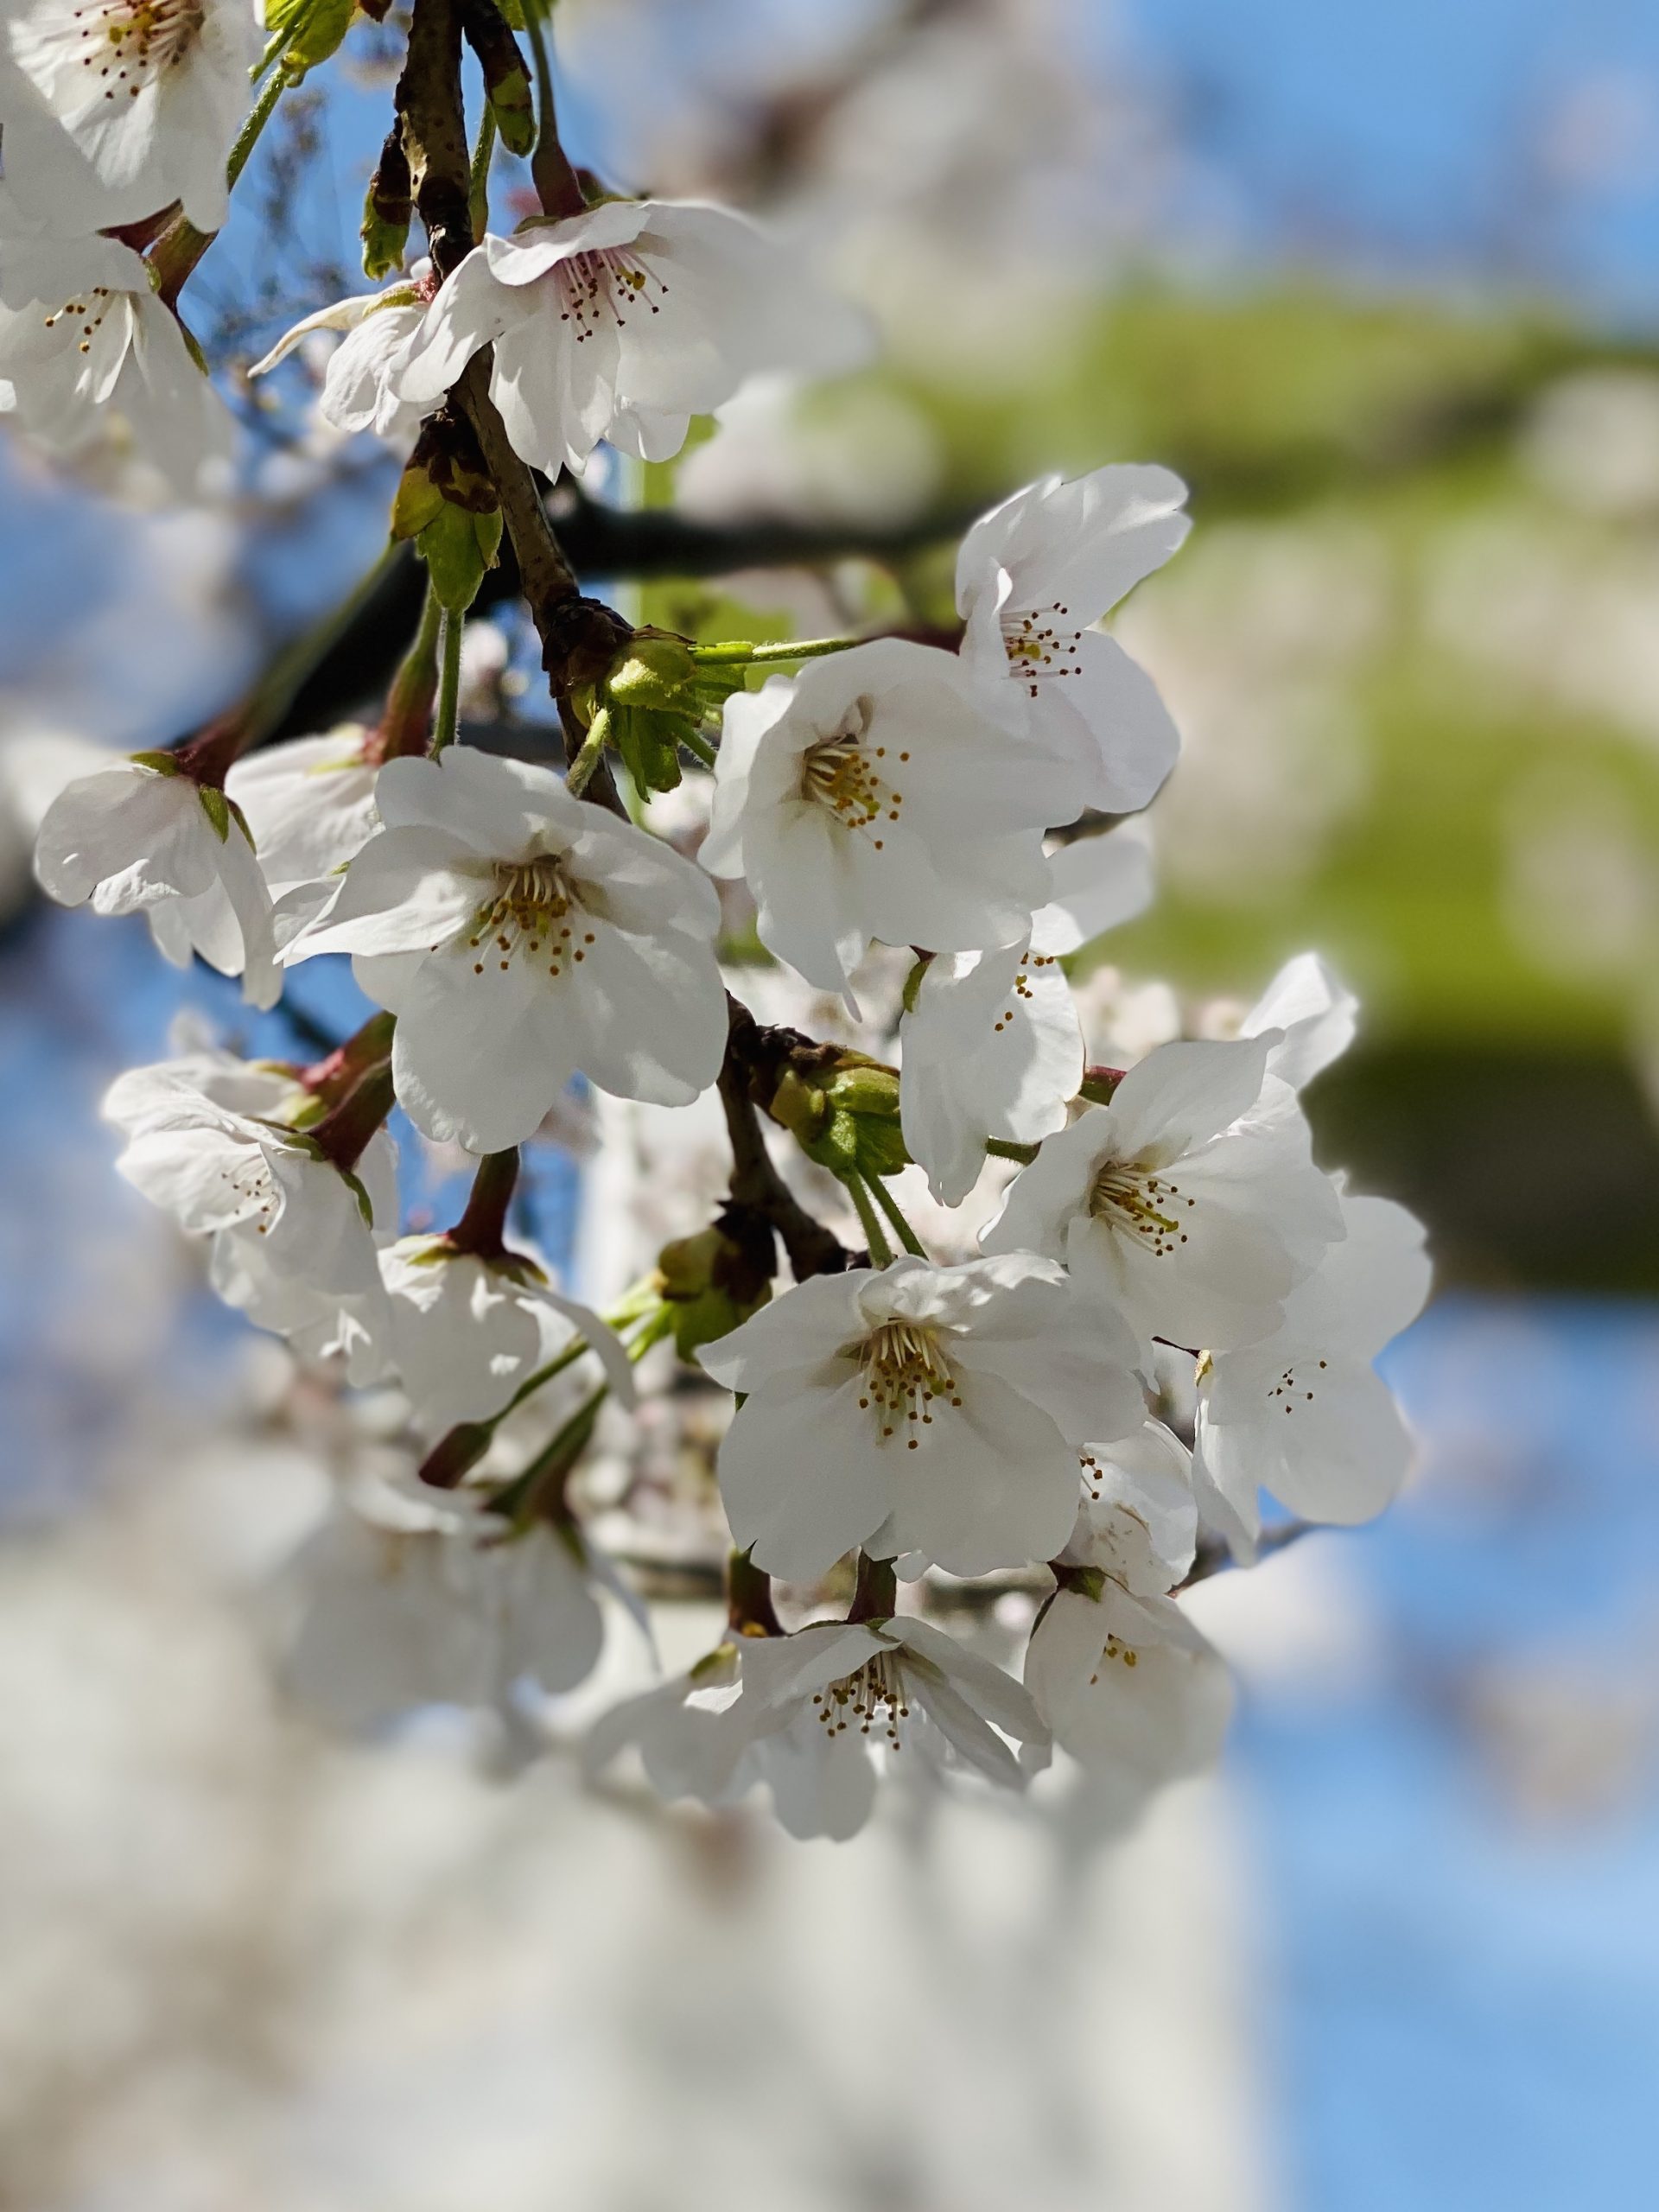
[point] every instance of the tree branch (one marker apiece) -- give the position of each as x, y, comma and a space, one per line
812, 1249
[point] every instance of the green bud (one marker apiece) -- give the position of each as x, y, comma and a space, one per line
417, 503
653, 670
515, 111
383, 242
454, 560
716, 1279
322, 25
865, 1087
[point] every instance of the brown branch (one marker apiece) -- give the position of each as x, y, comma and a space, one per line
756, 1183
579, 636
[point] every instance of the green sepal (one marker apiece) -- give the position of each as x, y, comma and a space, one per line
217, 808
385, 243
416, 503
164, 764
515, 111
455, 559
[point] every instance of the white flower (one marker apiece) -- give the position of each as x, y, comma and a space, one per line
918, 1408
1138, 1520
520, 935
1127, 1685
992, 1046
308, 805
872, 799
111, 109
814, 1706
465, 1331
1032, 577
403, 1601
1192, 1218
214, 1167
811, 1711
143, 838
1304, 1415
209, 1140
619, 323
1315, 1015
85, 344
358, 389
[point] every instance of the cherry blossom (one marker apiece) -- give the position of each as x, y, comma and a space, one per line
991, 1041
1032, 577
1174, 1205
812, 1716
309, 808
113, 108
86, 348
619, 323
464, 1331
401, 1599
872, 800
1304, 1414
142, 838
520, 936
359, 391
917, 1409
1129, 1686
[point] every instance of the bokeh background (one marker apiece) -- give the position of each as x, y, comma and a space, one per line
1383, 284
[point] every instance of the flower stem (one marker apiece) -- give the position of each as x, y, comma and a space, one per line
875, 1235
556, 184
481, 1228
553, 1462
258, 115
406, 725
1004, 1148
579, 773
739, 652
890, 1206
700, 747
875, 1594
448, 715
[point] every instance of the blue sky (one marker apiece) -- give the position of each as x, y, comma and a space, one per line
1427, 136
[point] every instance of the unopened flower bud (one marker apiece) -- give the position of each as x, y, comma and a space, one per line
716, 1279
321, 25
653, 670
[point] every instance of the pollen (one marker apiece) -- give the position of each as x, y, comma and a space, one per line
133, 43
605, 286
525, 919
839, 774
905, 1373
875, 1693
1039, 645
1149, 1207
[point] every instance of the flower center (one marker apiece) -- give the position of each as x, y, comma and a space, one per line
904, 1371
1037, 647
603, 286
843, 775
1291, 1390
89, 313
250, 1182
129, 41
877, 1689
529, 918
1148, 1206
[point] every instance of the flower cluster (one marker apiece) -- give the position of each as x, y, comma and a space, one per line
1144, 1306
